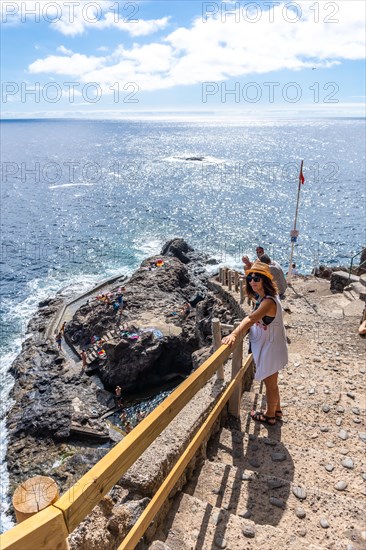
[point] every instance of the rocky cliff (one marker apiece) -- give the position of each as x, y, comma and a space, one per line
151, 337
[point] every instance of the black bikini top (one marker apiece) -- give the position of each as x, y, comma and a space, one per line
267, 319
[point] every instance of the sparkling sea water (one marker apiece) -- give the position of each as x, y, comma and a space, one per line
84, 200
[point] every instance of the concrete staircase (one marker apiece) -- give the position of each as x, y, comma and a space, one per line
300, 484
353, 287
270, 489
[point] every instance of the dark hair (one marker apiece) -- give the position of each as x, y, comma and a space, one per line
265, 259
269, 287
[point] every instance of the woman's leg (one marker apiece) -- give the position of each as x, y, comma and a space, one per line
273, 402
272, 394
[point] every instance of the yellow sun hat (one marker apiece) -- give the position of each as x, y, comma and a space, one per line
260, 268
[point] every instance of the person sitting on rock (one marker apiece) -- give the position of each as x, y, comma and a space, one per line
171, 313
186, 310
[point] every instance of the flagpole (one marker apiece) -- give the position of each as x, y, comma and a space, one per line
293, 238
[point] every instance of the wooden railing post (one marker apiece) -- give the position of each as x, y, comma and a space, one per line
236, 281
230, 279
32, 496
225, 276
236, 363
216, 338
241, 289
220, 275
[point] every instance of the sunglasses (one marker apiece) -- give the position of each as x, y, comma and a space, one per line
255, 278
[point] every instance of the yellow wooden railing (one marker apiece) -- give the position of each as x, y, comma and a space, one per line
160, 496
48, 529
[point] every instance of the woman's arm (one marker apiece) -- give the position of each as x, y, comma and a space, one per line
265, 308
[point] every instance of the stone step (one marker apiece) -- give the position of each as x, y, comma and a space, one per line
341, 279
193, 523
357, 290
350, 294
301, 462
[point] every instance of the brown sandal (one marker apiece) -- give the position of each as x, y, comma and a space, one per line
258, 416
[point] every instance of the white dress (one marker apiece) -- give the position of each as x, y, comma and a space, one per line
268, 344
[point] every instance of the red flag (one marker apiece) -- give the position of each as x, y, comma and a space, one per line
301, 176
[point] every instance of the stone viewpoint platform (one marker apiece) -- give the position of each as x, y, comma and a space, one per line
298, 485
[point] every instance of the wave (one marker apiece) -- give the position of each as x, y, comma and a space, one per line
70, 185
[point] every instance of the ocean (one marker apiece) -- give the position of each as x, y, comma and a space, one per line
84, 200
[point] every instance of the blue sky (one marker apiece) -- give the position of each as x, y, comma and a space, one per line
115, 58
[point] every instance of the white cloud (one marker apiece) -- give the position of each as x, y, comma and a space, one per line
103, 15
74, 66
139, 27
151, 58
221, 49
64, 50
75, 18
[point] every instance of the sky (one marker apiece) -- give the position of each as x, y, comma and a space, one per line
182, 58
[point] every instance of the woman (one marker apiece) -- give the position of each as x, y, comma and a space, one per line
267, 337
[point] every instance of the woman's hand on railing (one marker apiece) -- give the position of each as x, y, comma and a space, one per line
229, 340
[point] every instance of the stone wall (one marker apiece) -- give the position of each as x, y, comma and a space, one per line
340, 279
